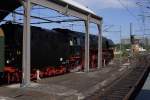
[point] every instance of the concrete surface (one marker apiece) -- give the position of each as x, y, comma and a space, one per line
73, 86
145, 92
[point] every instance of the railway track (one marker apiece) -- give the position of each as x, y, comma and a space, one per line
127, 87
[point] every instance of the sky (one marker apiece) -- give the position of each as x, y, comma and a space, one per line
118, 13
117, 16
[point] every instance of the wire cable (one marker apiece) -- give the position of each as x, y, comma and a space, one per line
127, 9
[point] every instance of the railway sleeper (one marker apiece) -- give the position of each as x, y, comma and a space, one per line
128, 82
123, 87
115, 96
121, 91
109, 98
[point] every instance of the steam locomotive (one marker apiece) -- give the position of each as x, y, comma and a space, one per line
53, 52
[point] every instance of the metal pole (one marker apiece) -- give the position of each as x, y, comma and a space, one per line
26, 45
14, 17
131, 39
130, 31
86, 66
144, 31
120, 46
100, 45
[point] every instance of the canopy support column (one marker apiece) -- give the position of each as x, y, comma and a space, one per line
87, 51
100, 45
26, 45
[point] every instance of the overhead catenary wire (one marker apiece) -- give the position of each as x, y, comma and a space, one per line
23, 14
148, 1
47, 20
131, 13
127, 9
144, 5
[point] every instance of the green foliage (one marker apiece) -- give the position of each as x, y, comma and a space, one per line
124, 48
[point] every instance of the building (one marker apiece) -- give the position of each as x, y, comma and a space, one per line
125, 41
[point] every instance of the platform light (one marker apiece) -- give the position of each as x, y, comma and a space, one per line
61, 59
7, 61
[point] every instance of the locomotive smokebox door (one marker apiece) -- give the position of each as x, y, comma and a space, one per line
2, 43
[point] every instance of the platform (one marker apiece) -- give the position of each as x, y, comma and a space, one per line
73, 86
145, 92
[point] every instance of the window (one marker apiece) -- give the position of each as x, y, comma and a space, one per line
71, 43
78, 41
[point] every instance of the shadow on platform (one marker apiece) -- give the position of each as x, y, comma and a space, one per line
143, 95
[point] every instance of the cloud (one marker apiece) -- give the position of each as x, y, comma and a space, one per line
104, 4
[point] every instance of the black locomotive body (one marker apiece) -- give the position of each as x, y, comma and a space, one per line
54, 47
48, 47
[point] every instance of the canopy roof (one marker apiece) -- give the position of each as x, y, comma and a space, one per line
78, 5
7, 6
71, 7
